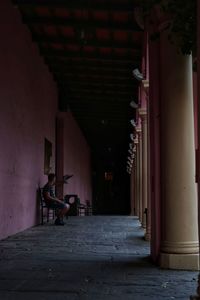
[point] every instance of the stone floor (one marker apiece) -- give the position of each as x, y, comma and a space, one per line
90, 258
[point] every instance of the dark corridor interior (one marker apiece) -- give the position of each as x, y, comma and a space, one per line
111, 188
91, 47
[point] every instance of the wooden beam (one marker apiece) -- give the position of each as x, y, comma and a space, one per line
98, 98
91, 62
64, 70
86, 91
108, 77
81, 5
99, 79
87, 25
130, 57
100, 86
92, 85
129, 45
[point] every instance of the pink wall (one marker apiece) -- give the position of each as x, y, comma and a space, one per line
27, 94
28, 114
154, 122
77, 160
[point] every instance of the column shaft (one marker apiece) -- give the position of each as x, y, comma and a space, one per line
137, 185
179, 245
140, 177
144, 165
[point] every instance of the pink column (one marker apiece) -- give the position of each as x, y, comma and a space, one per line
198, 109
197, 297
144, 124
59, 154
132, 187
137, 178
154, 140
143, 115
139, 169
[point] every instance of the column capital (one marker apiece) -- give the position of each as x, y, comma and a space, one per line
136, 140
145, 84
138, 129
142, 112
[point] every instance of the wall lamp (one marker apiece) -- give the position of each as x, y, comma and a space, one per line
133, 104
133, 122
130, 151
132, 136
130, 159
138, 75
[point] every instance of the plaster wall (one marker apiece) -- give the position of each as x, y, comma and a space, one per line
77, 160
28, 97
28, 106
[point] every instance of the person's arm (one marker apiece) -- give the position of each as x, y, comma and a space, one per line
60, 182
47, 196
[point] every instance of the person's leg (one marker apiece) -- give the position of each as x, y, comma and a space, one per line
58, 208
63, 209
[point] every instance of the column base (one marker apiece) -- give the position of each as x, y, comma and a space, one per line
179, 261
144, 224
147, 236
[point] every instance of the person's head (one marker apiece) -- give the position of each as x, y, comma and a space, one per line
51, 178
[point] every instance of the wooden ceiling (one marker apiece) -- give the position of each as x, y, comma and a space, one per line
91, 47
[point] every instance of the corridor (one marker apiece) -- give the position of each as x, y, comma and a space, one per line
90, 258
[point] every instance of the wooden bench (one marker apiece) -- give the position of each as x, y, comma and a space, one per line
50, 212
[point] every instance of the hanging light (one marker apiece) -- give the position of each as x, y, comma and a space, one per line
130, 151
133, 104
133, 122
138, 75
132, 136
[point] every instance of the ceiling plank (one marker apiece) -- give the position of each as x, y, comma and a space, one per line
99, 78
96, 98
83, 55
90, 42
81, 24
69, 61
103, 92
86, 84
79, 4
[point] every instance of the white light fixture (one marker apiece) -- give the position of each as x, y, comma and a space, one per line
133, 104
131, 146
133, 122
132, 136
138, 75
130, 151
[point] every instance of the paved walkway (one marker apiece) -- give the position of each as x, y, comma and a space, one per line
90, 258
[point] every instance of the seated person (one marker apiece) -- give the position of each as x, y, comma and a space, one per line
52, 201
